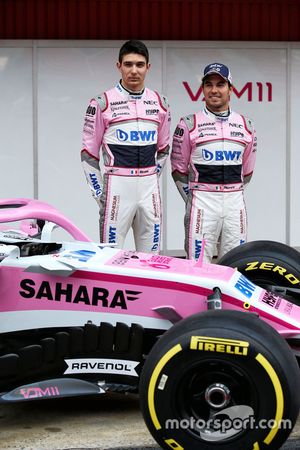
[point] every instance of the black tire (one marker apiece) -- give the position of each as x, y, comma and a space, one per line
266, 263
236, 359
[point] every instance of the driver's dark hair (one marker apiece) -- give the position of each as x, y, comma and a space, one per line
134, 46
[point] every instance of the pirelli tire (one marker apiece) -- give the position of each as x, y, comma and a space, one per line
220, 380
266, 263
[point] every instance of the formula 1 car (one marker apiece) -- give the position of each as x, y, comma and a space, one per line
212, 354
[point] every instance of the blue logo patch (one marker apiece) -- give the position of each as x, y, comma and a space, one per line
95, 184
112, 235
198, 246
221, 155
136, 135
156, 233
245, 286
81, 255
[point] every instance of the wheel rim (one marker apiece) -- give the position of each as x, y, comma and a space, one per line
215, 400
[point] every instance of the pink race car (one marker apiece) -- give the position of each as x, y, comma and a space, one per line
212, 354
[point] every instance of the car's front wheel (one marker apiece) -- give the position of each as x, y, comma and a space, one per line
266, 263
220, 380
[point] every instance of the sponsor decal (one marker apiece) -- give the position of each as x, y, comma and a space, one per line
221, 155
66, 292
157, 262
14, 235
112, 235
122, 102
156, 236
245, 286
119, 113
80, 255
198, 228
274, 268
272, 300
155, 204
206, 124
125, 257
95, 184
101, 365
236, 134
179, 132
207, 134
91, 110
117, 108
114, 208
89, 123
254, 91
198, 246
219, 345
136, 135
160, 259
150, 102
149, 112
242, 224
207, 128
235, 125
186, 189
288, 308
38, 392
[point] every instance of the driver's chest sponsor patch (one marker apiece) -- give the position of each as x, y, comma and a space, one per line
219, 345
101, 365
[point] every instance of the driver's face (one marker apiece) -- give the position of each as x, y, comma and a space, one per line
216, 93
133, 69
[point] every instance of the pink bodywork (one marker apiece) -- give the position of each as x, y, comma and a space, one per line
119, 285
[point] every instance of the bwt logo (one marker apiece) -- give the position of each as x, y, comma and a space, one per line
198, 246
112, 235
254, 91
245, 286
95, 184
136, 136
156, 234
221, 155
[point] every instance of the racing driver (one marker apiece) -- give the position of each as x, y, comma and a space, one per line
213, 157
132, 125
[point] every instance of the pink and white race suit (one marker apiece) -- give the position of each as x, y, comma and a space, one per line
133, 131
213, 157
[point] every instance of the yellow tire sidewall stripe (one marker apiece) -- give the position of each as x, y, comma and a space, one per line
279, 396
260, 358
153, 380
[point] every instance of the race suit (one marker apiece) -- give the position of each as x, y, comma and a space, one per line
133, 131
213, 157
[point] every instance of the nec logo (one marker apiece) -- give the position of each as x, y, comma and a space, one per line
136, 136
221, 155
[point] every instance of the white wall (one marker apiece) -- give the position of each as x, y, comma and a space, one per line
45, 87
16, 122
293, 148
